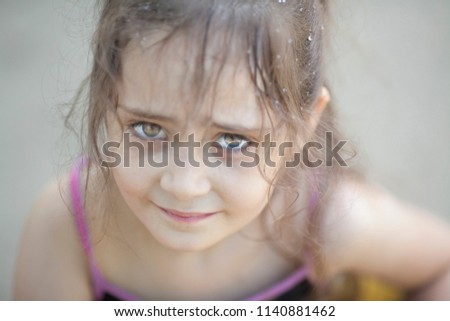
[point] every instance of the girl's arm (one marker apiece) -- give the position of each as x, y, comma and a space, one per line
50, 264
368, 231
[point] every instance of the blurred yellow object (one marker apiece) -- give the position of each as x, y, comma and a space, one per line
350, 287
371, 289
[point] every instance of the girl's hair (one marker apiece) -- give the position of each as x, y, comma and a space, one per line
281, 42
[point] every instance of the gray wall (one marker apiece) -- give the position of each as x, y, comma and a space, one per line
390, 75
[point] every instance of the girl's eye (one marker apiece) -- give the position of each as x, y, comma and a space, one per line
149, 131
233, 142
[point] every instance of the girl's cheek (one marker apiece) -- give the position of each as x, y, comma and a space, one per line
131, 182
244, 186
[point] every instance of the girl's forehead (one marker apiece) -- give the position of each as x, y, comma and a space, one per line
165, 79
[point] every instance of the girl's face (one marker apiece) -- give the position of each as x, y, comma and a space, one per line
198, 205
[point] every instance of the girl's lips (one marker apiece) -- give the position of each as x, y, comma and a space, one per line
187, 217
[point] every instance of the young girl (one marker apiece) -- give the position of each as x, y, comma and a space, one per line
213, 170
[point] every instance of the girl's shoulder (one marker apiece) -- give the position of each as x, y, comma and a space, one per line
367, 230
51, 263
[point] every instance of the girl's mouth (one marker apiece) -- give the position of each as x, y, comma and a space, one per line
186, 217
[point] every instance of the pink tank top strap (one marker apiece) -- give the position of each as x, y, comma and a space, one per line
281, 287
79, 214
301, 273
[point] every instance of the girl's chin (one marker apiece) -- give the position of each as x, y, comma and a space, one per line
185, 245
184, 241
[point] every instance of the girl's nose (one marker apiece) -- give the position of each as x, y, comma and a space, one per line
185, 183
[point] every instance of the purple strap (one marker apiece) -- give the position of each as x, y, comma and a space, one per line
281, 287
99, 284
302, 273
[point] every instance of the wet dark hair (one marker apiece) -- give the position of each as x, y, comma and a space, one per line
282, 43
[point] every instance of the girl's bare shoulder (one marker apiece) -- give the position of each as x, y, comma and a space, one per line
51, 264
368, 230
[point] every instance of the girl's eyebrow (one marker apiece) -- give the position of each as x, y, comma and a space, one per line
144, 114
238, 128
223, 126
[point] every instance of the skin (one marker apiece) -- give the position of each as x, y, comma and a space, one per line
374, 233
365, 229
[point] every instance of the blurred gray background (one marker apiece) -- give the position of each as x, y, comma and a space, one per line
389, 70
